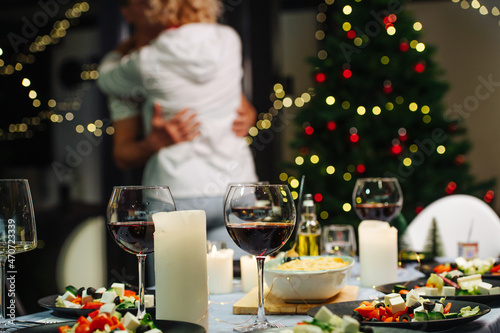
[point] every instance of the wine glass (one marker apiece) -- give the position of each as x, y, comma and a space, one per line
377, 198
259, 219
130, 222
17, 232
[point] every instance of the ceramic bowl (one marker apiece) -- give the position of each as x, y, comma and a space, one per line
306, 286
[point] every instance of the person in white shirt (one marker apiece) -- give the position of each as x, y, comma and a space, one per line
193, 65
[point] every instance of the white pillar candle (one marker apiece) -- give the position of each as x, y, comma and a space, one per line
248, 269
220, 271
180, 249
378, 253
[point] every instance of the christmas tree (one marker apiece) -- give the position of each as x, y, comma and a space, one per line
376, 110
433, 244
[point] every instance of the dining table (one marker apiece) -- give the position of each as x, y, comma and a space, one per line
222, 319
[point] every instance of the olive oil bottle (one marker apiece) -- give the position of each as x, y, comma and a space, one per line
309, 230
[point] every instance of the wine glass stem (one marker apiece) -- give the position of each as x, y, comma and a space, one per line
261, 312
141, 309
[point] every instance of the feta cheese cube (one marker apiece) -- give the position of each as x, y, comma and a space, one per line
100, 290
484, 288
86, 298
68, 304
419, 309
389, 296
438, 307
431, 291
149, 300
397, 304
495, 291
119, 288
67, 296
448, 291
108, 308
469, 282
349, 325
410, 301
108, 296
130, 322
324, 314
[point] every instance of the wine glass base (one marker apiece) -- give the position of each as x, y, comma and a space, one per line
254, 327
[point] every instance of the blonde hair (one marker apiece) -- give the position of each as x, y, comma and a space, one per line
174, 13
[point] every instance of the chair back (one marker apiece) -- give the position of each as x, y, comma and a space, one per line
460, 218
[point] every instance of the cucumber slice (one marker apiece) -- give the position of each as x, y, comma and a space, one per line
451, 315
420, 316
399, 287
434, 315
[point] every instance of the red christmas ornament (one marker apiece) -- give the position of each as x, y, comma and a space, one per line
354, 138
320, 77
331, 125
396, 149
318, 197
419, 67
360, 168
488, 197
347, 73
403, 137
387, 86
309, 130
404, 46
451, 187
351, 34
419, 209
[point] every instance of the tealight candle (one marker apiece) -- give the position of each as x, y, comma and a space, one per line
180, 249
248, 266
378, 253
220, 271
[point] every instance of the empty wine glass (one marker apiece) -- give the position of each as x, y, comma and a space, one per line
130, 222
259, 219
17, 231
377, 198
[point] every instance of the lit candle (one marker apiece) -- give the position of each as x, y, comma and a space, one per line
378, 253
220, 271
248, 269
180, 249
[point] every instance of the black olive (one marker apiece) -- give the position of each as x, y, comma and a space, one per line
429, 305
455, 278
142, 328
80, 291
366, 329
453, 265
90, 291
404, 317
117, 300
379, 305
356, 315
96, 295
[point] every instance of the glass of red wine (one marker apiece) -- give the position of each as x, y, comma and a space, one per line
259, 218
130, 222
377, 198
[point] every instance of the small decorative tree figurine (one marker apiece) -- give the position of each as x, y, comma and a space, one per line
434, 244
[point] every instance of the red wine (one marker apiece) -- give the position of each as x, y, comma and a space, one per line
260, 239
134, 237
378, 211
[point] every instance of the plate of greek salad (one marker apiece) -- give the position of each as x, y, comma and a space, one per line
466, 288
414, 312
489, 268
107, 319
81, 301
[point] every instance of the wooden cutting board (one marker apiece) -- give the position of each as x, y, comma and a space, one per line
274, 305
